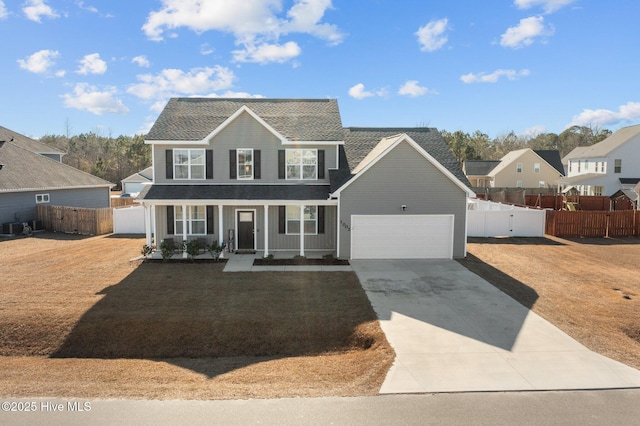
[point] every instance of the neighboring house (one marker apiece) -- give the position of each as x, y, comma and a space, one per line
257, 172
28, 179
523, 168
30, 144
605, 167
136, 182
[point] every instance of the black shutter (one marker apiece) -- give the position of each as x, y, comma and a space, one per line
210, 223
320, 219
256, 164
282, 219
281, 167
321, 164
209, 170
232, 164
169, 157
170, 230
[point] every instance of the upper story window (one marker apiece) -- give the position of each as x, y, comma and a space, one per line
302, 164
570, 162
189, 163
536, 167
579, 162
519, 168
617, 166
245, 163
42, 198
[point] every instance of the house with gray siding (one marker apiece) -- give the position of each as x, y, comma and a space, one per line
32, 174
273, 175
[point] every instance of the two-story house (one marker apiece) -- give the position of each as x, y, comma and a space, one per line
605, 167
284, 175
522, 168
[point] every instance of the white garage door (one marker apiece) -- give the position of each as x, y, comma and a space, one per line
402, 237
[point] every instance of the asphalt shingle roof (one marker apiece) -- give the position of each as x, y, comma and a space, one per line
552, 157
603, 148
193, 119
479, 167
25, 170
27, 143
359, 141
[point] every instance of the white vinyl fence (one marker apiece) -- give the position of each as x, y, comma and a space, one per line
129, 220
489, 219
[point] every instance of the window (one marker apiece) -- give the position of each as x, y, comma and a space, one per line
519, 168
302, 164
598, 190
519, 184
196, 220
536, 167
617, 166
541, 184
42, 198
245, 163
570, 162
310, 220
188, 163
579, 162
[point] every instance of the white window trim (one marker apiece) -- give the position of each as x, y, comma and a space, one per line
189, 165
286, 221
518, 167
541, 184
300, 165
518, 184
253, 164
189, 220
44, 198
536, 167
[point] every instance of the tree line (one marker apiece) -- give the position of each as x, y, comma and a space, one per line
106, 157
478, 145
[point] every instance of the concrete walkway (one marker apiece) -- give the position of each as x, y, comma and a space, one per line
244, 263
454, 332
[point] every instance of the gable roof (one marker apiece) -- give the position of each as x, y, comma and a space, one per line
24, 170
385, 146
552, 157
360, 141
145, 175
479, 167
27, 143
194, 119
603, 148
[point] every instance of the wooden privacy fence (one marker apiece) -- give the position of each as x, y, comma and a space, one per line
593, 224
75, 220
122, 202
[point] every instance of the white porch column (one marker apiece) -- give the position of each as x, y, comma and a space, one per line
147, 223
220, 227
266, 230
302, 230
184, 228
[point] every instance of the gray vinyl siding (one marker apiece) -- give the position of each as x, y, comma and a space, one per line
403, 177
243, 133
277, 241
22, 205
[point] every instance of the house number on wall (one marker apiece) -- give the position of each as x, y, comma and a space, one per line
345, 225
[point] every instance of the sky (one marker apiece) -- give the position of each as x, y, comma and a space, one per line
528, 66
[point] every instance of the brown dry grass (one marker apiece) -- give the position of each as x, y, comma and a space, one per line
589, 288
78, 319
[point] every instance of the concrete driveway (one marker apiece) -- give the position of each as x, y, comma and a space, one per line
454, 332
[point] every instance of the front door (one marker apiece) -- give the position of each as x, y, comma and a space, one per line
246, 230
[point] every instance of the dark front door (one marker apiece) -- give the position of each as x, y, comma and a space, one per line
245, 230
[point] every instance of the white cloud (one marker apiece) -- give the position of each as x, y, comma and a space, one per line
358, 91
265, 53
256, 24
412, 88
525, 32
206, 49
604, 117
494, 76
3, 10
142, 61
431, 36
549, 6
90, 98
36, 9
175, 82
534, 131
92, 64
91, 9
60, 73
39, 62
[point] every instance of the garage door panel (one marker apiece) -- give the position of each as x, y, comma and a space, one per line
402, 236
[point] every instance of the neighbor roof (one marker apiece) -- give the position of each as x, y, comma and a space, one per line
145, 175
479, 167
27, 143
25, 170
360, 141
552, 157
603, 148
193, 119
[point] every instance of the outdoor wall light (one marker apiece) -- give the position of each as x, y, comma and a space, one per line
404, 207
